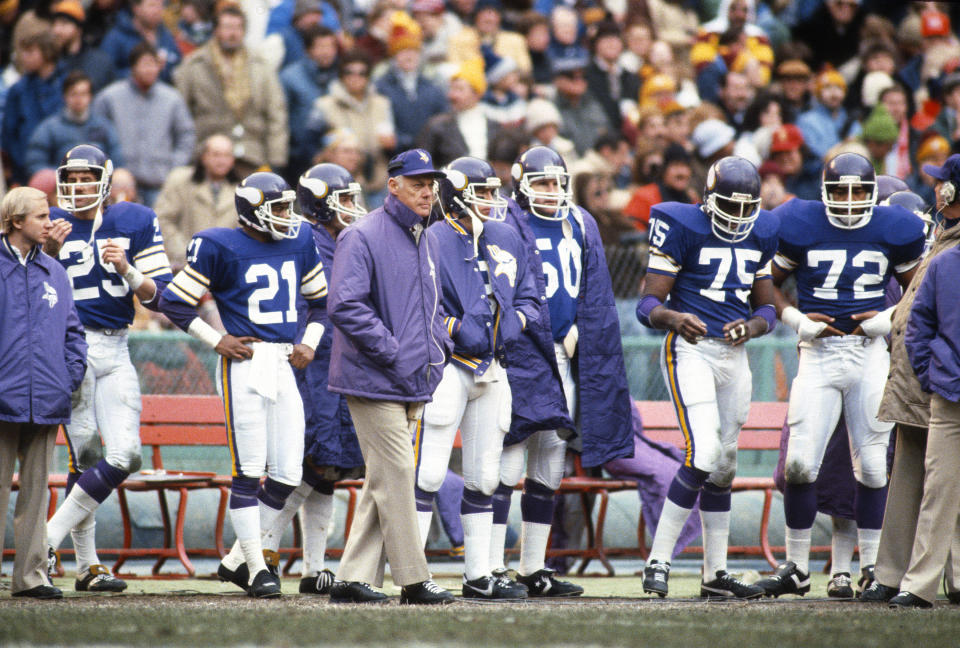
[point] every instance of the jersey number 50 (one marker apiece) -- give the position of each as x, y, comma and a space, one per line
288, 273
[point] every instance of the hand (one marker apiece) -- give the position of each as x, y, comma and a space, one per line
828, 331
690, 327
873, 323
113, 253
739, 331
301, 356
58, 234
236, 348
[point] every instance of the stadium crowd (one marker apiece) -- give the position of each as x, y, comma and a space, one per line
639, 96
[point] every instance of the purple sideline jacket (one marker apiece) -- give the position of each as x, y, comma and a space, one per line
933, 330
43, 353
390, 342
477, 334
605, 407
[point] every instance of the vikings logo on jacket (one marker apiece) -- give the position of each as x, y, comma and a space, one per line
505, 263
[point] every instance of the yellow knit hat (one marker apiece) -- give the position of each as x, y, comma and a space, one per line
405, 33
830, 77
472, 72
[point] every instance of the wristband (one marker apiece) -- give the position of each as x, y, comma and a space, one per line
204, 332
312, 335
645, 307
133, 277
769, 315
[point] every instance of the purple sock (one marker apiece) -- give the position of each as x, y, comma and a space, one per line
536, 503
71, 481
424, 499
475, 502
243, 492
501, 503
98, 482
686, 486
274, 493
800, 505
714, 499
869, 505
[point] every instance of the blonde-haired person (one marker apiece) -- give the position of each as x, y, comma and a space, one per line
38, 377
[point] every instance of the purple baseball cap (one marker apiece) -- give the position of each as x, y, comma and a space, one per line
414, 162
949, 171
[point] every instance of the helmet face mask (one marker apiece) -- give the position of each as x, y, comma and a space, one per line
915, 204
328, 191
257, 199
849, 191
471, 187
529, 172
77, 196
732, 198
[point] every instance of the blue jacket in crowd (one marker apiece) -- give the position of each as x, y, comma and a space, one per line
479, 335
29, 101
933, 330
330, 439
303, 83
604, 405
411, 112
123, 37
59, 133
390, 342
43, 353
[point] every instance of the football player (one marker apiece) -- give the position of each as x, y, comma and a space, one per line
111, 254
330, 200
488, 297
567, 366
843, 252
255, 273
709, 285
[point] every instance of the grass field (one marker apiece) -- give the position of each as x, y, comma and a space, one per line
200, 612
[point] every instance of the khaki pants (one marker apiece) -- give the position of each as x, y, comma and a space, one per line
940, 503
33, 446
385, 523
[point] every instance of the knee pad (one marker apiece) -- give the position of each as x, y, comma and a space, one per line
798, 472
511, 464
872, 471
89, 453
723, 476
430, 474
127, 462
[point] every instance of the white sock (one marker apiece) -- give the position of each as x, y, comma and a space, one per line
533, 547
74, 510
842, 545
269, 517
869, 541
476, 544
672, 519
424, 518
498, 540
234, 557
716, 537
273, 533
84, 543
315, 527
246, 524
798, 548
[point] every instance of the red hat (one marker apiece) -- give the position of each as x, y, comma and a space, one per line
934, 23
786, 138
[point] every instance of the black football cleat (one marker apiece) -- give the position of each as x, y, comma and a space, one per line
726, 586
840, 586
866, 579
99, 579
425, 593
543, 584
265, 585
878, 593
319, 584
655, 577
40, 592
786, 580
239, 576
493, 588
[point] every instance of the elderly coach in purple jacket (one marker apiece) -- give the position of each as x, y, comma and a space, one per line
43, 355
933, 345
389, 349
